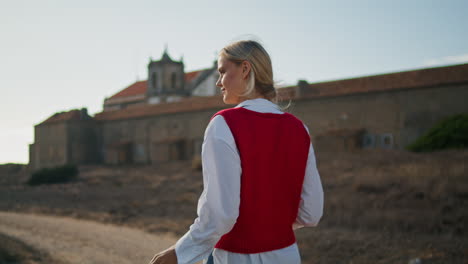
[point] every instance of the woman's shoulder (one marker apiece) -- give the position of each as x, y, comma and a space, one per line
226, 111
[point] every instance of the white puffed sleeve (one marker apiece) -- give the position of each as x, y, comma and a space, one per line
218, 205
311, 204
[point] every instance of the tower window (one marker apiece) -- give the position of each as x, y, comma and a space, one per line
173, 80
154, 80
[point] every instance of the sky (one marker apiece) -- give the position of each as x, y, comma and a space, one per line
58, 55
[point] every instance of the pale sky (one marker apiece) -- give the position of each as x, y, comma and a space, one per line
57, 55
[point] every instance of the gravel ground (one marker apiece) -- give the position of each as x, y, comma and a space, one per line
78, 241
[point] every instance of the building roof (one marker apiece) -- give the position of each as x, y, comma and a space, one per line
392, 81
190, 76
136, 88
140, 87
384, 82
185, 105
200, 77
72, 115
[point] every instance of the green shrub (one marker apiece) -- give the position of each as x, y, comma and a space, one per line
61, 174
450, 133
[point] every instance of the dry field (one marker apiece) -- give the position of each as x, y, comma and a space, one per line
14, 251
380, 206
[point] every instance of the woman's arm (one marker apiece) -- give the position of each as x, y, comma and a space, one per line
218, 206
311, 204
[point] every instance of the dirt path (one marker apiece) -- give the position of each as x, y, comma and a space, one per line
77, 241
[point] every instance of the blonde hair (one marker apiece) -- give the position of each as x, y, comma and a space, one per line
261, 73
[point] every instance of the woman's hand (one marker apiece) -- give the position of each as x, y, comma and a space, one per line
167, 256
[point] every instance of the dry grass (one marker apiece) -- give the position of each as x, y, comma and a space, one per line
380, 206
13, 251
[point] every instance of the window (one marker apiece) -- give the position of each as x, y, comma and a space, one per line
368, 141
177, 150
386, 141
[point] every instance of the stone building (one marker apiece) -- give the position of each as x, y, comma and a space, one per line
386, 111
65, 137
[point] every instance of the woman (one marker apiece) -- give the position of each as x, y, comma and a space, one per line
259, 172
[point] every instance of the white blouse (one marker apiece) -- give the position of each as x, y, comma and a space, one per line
218, 205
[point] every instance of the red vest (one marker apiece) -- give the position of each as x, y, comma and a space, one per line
273, 151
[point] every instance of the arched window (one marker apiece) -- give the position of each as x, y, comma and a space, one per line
154, 79
173, 80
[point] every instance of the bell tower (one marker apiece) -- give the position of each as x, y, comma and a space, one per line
166, 78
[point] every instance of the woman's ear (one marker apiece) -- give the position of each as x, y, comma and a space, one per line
246, 68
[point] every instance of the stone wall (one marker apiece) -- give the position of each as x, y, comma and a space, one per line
387, 111
60, 143
390, 119
82, 141
50, 146
157, 139
403, 114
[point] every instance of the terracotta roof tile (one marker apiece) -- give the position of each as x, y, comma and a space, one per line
392, 81
134, 89
185, 105
190, 76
